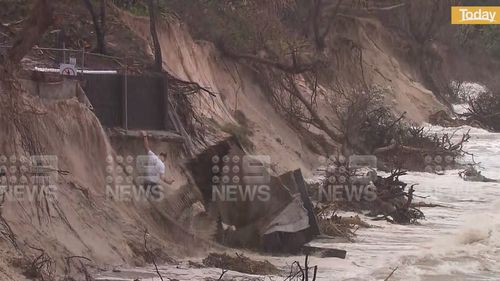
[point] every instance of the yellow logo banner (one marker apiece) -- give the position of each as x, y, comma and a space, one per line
475, 15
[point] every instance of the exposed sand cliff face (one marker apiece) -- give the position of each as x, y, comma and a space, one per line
406, 93
83, 221
78, 218
238, 89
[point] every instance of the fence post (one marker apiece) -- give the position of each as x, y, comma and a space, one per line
165, 107
125, 97
83, 58
64, 52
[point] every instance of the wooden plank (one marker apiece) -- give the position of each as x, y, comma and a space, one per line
324, 252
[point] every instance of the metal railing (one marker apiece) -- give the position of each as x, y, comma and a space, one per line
80, 53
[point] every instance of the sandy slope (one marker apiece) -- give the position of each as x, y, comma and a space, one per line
83, 221
80, 219
199, 61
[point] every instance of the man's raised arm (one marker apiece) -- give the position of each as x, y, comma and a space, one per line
146, 142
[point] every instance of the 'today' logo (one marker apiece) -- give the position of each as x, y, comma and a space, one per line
475, 15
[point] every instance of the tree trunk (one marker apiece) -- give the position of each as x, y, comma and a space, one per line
152, 7
99, 24
314, 115
41, 18
101, 42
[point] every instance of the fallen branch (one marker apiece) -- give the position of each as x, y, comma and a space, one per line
304, 272
294, 68
41, 267
222, 274
390, 275
187, 87
67, 269
7, 230
153, 259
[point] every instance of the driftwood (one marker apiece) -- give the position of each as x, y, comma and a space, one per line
240, 263
297, 272
390, 275
324, 252
472, 174
151, 254
395, 202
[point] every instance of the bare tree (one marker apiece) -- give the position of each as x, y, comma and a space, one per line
99, 24
152, 7
40, 19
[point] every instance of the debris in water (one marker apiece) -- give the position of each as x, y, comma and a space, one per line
240, 263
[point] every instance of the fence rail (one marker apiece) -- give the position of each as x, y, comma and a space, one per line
120, 99
81, 55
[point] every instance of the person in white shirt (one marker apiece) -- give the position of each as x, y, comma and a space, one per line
154, 168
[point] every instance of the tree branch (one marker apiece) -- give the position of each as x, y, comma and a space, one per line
295, 68
40, 20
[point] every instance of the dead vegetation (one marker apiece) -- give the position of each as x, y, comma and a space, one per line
293, 69
482, 107
5, 230
370, 128
42, 267
302, 77
394, 200
240, 263
242, 131
302, 272
386, 198
361, 124
39, 265
485, 111
338, 226
471, 173
81, 264
150, 255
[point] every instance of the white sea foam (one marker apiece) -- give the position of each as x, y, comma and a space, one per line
457, 242
460, 241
